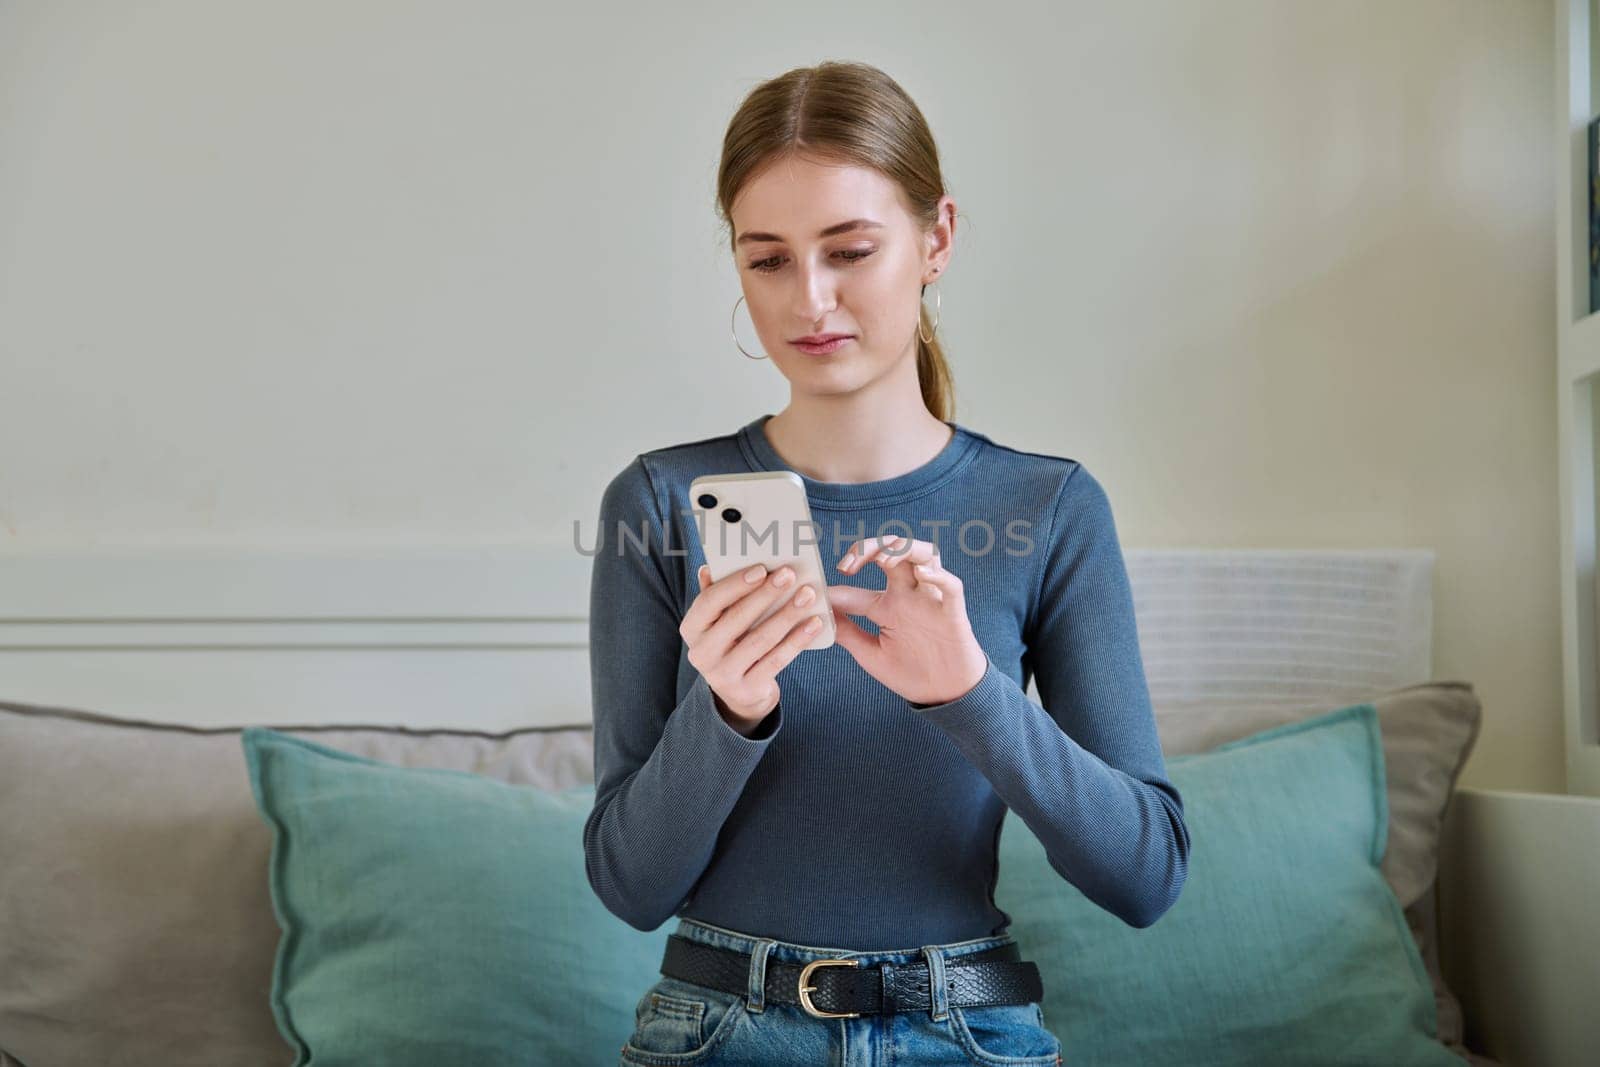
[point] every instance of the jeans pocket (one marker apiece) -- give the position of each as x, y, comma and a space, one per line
678, 1022
1007, 1035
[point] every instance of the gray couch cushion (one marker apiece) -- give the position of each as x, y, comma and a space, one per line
136, 925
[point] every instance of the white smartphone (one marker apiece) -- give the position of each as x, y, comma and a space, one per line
762, 517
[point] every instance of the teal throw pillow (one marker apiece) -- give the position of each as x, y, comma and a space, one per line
1286, 945
437, 917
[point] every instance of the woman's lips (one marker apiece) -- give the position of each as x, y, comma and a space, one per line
824, 348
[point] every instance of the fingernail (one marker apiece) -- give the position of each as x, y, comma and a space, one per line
849, 558
755, 574
814, 625
806, 596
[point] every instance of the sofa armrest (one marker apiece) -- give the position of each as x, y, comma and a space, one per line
1519, 922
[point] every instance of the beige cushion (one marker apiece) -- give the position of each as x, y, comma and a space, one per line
1428, 733
136, 925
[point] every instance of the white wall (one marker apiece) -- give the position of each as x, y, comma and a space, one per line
356, 273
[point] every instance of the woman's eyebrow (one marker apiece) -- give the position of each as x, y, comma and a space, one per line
838, 227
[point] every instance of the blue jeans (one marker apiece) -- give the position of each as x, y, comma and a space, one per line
679, 1023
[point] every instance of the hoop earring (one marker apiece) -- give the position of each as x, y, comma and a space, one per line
733, 325
938, 301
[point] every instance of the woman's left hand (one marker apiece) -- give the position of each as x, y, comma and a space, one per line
924, 649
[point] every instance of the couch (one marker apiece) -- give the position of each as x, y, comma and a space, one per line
139, 921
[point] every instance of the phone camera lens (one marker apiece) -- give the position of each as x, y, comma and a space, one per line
731, 514
706, 500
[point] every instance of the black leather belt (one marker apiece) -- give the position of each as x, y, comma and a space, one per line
842, 988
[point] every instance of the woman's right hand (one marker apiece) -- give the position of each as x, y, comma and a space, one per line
741, 664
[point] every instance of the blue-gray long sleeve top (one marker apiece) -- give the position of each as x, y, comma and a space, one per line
852, 818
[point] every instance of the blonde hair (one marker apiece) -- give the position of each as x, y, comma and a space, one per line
851, 113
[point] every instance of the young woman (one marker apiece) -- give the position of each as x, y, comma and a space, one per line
825, 825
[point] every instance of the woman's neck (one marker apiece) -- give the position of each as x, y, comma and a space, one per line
837, 444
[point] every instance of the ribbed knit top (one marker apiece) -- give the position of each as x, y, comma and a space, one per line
852, 818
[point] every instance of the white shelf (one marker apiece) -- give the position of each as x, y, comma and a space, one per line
1580, 356
1577, 380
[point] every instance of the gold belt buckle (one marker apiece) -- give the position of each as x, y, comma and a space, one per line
807, 990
